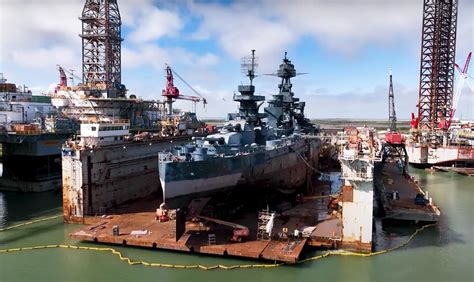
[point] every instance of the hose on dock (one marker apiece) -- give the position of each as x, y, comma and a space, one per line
194, 266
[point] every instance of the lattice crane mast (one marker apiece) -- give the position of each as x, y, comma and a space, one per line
392, 136
391, 106
171, 92
393, 149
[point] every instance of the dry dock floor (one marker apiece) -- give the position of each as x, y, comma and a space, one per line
138, 227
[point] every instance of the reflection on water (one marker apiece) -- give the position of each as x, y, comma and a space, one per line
18, 206
3, 211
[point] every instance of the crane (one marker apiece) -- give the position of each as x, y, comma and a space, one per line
391, 106
63, 78
171, 92
393, 149
463, 77
392, 136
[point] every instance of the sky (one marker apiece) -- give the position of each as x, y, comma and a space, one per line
346, 47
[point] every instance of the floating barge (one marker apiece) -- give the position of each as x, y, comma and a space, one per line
468, 171
398, 194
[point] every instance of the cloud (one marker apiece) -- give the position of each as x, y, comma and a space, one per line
155, 56
207, 38
33, 26
153, 23
241, 27
340, 26
42, 58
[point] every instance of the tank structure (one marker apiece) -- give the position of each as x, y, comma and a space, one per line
246, 151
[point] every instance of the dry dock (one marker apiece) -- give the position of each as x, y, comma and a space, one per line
402, 206
141, 229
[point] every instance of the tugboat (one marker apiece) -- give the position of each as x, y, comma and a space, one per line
262, 150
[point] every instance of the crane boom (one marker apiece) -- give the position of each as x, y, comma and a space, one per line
391, 106
184, 81
172, 92
221, 222
457, 95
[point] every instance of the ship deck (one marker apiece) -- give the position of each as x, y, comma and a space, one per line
404, 207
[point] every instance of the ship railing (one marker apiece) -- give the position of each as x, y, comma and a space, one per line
111, 121
361, 176
37, 132
168, 156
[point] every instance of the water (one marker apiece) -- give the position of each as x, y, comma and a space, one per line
442, 253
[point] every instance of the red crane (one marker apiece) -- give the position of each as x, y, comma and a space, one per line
171, 92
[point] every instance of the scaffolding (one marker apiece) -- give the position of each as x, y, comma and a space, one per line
264, 218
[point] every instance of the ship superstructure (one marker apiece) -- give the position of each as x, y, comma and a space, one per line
246, 151
31, 139
18, 105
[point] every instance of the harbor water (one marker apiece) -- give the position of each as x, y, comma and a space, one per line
443, 252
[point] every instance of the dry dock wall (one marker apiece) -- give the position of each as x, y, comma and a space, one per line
357, 204
95, 180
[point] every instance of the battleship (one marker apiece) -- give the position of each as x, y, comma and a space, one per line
266, 150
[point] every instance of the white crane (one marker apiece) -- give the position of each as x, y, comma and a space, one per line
460, 85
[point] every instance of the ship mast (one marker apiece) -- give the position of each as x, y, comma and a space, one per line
248, 109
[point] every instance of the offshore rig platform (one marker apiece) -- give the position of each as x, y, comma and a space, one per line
436, 138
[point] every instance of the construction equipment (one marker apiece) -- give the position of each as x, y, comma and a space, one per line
393, 149
392, 136
462, 78
392, 115
63, 77
162, 213
171, 92
240, 232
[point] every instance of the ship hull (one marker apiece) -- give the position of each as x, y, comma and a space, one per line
281, 168
442, 156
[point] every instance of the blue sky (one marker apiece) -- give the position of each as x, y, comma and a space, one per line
346, 47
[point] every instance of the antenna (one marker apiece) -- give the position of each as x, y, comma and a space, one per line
248, 65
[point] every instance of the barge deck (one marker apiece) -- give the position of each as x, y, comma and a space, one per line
403, 206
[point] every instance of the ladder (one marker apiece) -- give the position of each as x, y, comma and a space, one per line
264, 217
212, 239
